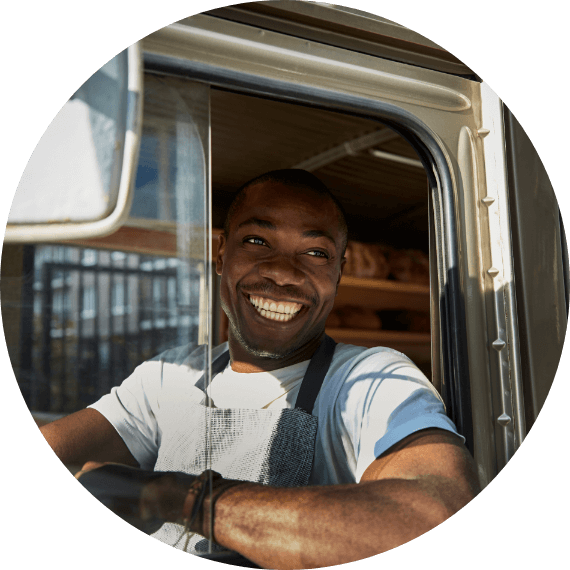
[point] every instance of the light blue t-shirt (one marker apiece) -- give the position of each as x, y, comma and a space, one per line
370, 399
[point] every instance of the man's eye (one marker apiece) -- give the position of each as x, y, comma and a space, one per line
255, 240
318, 253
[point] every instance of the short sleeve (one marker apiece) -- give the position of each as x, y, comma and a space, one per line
131, 409
385, 399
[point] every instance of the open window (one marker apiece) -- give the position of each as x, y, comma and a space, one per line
101, 306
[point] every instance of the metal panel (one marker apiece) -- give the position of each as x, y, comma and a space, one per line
539, 267
346, 28
497, 280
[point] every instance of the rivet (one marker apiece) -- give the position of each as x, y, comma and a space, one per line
488, 200
493, 272
499, 344
483, 132
504, 420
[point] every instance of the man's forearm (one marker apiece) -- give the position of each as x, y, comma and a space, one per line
86, 436
323, 526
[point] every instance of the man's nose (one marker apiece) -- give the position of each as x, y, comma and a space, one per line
282, 271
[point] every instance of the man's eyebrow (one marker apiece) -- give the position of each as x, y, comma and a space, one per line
318, 234
267, 225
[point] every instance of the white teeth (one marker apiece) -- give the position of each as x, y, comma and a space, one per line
273, 311
274, 316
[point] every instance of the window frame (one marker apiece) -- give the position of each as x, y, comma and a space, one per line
454, 381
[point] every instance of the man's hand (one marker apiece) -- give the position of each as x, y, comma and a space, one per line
146, 499
89, 466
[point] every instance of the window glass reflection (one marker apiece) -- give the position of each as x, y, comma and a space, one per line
94, 322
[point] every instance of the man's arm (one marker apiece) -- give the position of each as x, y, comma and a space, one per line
87, 436
412, 488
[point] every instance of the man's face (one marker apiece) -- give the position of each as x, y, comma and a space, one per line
280, 267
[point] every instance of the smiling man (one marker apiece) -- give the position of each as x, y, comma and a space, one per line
284, 242
323, 453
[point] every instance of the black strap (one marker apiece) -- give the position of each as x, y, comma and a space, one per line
316, 372
218, 365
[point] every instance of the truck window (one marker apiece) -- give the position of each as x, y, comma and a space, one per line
101, 307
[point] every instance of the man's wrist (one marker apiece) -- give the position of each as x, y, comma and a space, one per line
191, 515
198, 509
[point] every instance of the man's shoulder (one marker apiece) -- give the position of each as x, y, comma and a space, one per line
356, 368
347, 357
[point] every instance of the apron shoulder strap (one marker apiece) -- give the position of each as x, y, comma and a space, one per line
218, 366
316, 372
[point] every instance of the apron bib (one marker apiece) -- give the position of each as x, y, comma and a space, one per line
271, 447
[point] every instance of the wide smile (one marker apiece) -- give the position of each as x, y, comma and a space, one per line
274, 309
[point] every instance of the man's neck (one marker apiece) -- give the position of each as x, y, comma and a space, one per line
243, 361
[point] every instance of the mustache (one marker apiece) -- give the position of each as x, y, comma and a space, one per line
278, 291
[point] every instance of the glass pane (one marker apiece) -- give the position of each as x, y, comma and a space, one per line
86, 315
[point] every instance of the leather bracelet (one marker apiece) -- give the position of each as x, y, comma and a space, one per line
198, 510
219, 487
192, 511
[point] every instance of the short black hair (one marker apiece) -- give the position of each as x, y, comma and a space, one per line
294, 177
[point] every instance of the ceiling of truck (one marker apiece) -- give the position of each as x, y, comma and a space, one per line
385, 200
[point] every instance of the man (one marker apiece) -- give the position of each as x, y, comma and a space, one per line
347, 451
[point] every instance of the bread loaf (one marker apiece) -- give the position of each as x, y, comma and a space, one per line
379, 253
420, 267
376, 261
409, 266
366, 260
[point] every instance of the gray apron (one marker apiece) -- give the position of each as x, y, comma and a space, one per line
271, 447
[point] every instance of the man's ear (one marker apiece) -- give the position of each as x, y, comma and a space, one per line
342, 264
221, 250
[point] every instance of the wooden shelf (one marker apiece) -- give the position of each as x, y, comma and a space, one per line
416, 346
381, 294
